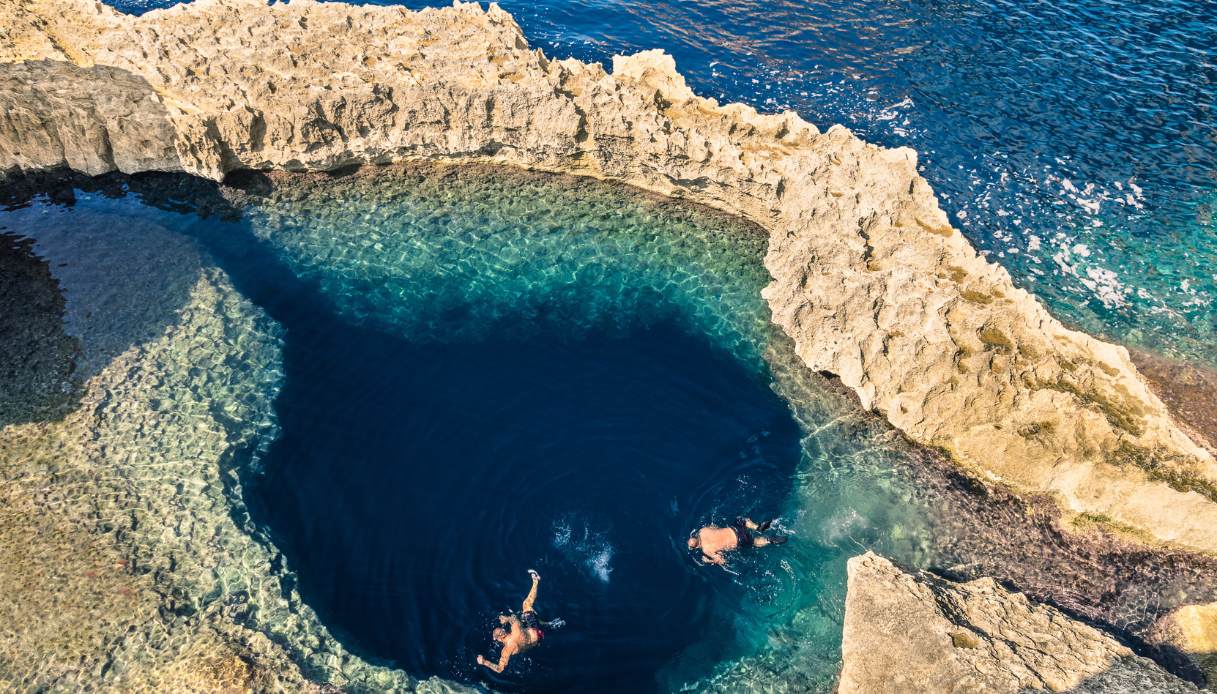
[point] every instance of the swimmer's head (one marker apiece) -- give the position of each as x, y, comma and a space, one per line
499, 633
694, 542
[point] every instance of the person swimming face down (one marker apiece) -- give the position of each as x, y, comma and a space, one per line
714, 541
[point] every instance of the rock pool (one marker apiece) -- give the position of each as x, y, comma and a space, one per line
346, 412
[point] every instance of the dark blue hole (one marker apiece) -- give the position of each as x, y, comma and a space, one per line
414, 484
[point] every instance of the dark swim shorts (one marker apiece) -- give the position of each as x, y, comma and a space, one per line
530, 621
742, 534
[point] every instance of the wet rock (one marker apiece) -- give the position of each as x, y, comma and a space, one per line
122, 552
907, 633
1189, 390
1192, 631
870, 279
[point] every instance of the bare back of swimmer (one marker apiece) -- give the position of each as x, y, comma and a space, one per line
714, 541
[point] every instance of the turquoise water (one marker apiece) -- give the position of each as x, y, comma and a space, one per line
485, 370
490, 269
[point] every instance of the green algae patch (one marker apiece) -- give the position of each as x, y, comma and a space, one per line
1170, 469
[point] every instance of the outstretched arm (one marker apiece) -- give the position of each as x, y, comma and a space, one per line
498, 667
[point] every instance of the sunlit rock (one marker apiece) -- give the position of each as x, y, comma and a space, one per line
906, 633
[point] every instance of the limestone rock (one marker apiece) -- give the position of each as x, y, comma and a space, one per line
869, 277
906, 633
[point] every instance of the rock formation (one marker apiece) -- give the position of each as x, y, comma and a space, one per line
906, 633
869, 278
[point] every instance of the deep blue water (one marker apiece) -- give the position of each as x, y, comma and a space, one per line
1076, 142
415, 480
420, 472
413, 485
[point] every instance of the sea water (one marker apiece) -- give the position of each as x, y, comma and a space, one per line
567, 376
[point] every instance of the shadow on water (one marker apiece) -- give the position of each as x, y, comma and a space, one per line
409, 498
78, 289
36, 355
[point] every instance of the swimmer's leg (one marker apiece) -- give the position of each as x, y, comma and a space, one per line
749, 524
532, 593
760, 541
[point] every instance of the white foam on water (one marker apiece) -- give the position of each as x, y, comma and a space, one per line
584, 546
562, 532
600, 564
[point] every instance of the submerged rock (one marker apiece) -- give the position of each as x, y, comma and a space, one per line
906, 633
1192, 631
870, 279
36, 354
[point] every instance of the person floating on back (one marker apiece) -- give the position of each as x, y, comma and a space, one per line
523, 633
714, 541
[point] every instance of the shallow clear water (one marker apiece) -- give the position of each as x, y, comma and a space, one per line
1075, 142
584, 372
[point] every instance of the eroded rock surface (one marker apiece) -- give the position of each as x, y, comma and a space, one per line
870, 279
906, 633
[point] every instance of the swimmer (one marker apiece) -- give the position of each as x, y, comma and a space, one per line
714, 541
523, 633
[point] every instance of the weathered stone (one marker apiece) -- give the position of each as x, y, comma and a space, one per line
906, 633
870, 279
